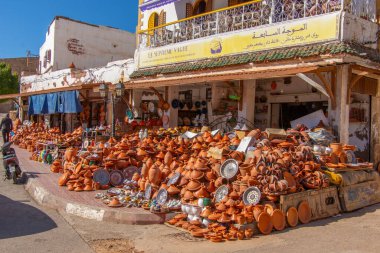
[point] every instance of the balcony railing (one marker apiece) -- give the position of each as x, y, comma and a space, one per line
252, 14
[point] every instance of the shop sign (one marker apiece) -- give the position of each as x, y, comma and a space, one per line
298, 32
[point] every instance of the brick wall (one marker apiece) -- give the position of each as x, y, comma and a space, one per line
23, 66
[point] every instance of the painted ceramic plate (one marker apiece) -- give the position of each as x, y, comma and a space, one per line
101, 176
229, 168
148, 191
116, 177
351, 157
252, 196
151, 107
159, 112
162, 196
174, 179
220, 193
129, 171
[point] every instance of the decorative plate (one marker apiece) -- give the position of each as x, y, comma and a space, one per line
148, 191
101, 176
165, 119
160, 112
174, 178
229, 168
220, 193
151, 107
129, 171
252, 196
85, 143
116, 177
162, 196
351, 157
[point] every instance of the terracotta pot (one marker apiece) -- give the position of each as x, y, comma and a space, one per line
245, 169
257, 210
240, 219
142, 184
248, 233
211, 186
155, 175
337, 148
168, 158
63, 179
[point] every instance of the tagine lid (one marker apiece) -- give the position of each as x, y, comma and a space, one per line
292, 216
115, 202
265, 224
278, 220
304, 212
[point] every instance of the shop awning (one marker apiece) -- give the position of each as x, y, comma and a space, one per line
150, 4
58, 102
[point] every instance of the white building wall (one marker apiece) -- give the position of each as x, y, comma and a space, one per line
177, 10
85, 45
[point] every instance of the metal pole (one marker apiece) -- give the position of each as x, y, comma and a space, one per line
113, 115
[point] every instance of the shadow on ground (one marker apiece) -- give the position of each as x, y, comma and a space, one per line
19, 219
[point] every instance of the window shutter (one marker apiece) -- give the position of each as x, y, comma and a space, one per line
209, 5
189, 10
162, 18
232, 2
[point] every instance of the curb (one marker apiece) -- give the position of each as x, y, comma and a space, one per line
46, 199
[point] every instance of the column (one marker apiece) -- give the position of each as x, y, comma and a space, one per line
173, 93
248, 104
375, 127
339, 117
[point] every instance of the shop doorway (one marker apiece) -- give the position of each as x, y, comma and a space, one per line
288, 112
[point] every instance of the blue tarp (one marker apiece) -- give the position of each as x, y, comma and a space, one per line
57, 102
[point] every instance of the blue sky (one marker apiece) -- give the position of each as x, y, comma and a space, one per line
24, 22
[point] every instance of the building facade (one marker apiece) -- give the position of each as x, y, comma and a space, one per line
75, 59
266, 63
86, 45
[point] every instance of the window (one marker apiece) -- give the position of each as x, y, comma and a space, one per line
200, 7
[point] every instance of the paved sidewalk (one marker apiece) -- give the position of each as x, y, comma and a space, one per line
42, 185
26, 226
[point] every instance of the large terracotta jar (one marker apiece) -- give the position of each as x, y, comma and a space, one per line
142, 184
144, 170
155, 175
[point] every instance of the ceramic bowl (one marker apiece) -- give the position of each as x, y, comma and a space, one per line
206, 222
187, 209
183, 208
200, 202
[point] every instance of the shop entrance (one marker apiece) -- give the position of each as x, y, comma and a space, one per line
288, 112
